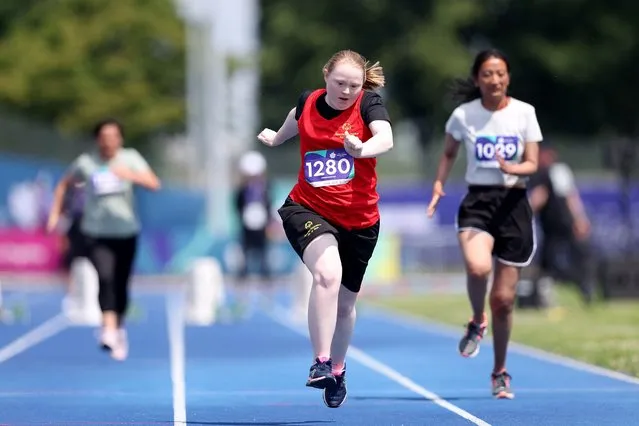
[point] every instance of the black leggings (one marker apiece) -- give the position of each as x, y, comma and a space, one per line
113, 260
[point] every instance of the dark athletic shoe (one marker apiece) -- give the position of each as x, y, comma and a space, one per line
335, 396
321, 375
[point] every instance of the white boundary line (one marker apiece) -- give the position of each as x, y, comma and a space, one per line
366, 360
39, 334
175, 330
408, 320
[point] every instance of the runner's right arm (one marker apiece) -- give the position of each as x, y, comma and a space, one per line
288, 129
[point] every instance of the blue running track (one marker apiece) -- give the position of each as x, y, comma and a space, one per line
252, 372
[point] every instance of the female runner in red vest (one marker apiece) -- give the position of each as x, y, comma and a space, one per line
331, 216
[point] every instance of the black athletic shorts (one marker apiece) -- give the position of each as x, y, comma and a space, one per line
504, 213
302, 225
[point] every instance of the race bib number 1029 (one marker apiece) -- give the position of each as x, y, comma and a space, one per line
488, 147
328, 167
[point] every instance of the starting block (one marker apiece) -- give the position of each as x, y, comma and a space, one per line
205, 293
81, 305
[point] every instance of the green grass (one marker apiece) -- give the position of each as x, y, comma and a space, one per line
605, 334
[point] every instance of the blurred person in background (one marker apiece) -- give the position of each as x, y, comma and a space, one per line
253, 207
109, 222
565, 253
29, 202
331, 216
43, 187
73, 244
501, 136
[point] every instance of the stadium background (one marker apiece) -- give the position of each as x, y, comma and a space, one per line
230, 68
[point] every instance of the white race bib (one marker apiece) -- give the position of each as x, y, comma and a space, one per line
106, 183
328, 167
487, 148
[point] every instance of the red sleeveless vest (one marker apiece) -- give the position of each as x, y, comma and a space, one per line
340, 188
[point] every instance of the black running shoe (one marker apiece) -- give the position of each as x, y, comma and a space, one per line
469, 343
334, 396
321, 375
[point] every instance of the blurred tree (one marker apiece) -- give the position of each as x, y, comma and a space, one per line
425, 50
418, 44
72, 62
10, 10
575, 60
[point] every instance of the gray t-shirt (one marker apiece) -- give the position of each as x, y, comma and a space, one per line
109, 209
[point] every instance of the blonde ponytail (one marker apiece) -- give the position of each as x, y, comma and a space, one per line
374, 76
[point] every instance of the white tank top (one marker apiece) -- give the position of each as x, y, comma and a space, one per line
485, 133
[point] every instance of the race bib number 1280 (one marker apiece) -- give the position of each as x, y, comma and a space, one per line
328, 167
488, 147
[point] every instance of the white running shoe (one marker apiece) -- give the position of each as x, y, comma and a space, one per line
121, 351
109, 339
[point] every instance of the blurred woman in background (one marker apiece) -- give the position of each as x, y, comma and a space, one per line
109, 222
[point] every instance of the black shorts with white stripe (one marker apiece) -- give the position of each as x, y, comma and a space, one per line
506, 215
